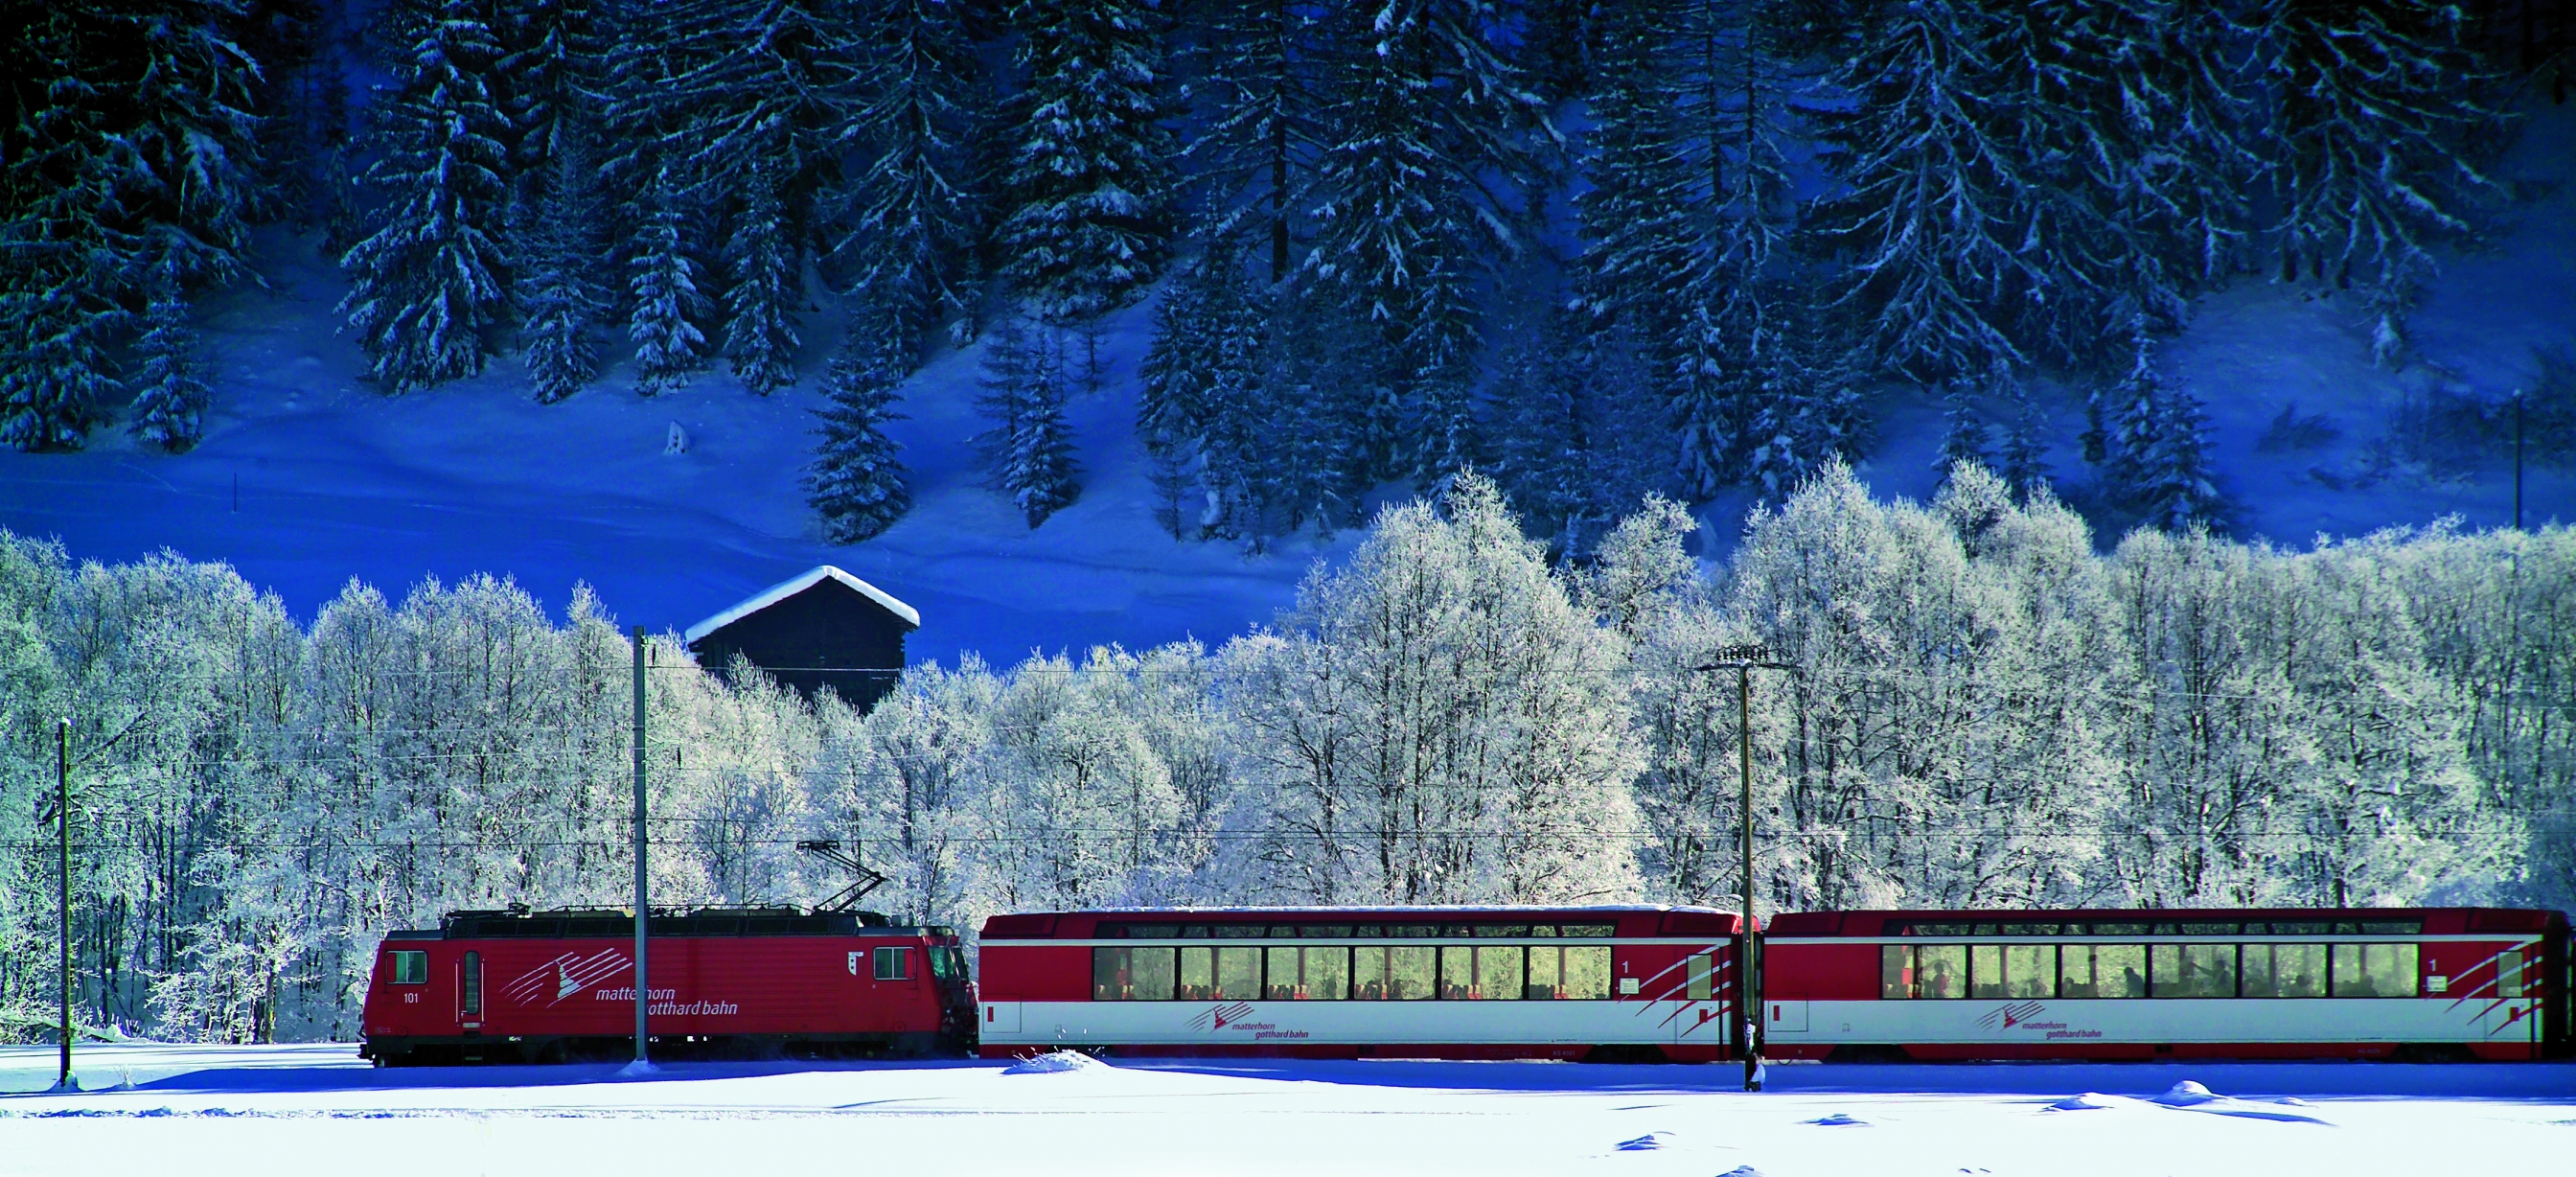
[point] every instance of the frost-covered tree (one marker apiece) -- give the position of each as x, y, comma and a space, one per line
760, 328
1963, 429
667, 306
170, 393
913, 212
430, 279
1088, 193
2155, 447
1435, 721
856, 483
1029, 450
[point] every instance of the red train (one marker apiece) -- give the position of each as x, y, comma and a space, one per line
1621, 983
545, 986
1606, 983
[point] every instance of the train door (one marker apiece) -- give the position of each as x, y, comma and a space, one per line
1701, 1018
469, 990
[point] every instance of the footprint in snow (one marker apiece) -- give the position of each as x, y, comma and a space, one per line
1647, 1142
1839, 1120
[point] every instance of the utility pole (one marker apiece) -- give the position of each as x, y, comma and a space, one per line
643, 912
2517, 459
63, 890
1744, 660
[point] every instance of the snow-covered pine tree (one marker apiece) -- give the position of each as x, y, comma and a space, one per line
2025, 450
663, 281
1258, 68
1429, 123
429, 279
1806, 403
760, 328
1931, 179
913, 211
1963, 429
1089, 189
2176, 485
856, 483
2377, 116
550, 56
1029, 450
170, 393
133, 147
560, 303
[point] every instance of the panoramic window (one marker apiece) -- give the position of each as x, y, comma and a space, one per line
1131, 974
1498, 973
2285, 970
1587, 973
1327, 975
2374, 970
2102, 970
1457, 973
2013, 970
1281, 983
1198, 974
2193, 970
1409, 972
1925, 971
1238, 974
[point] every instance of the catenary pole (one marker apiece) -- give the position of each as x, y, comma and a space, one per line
1744, 660
63, 889
643, 912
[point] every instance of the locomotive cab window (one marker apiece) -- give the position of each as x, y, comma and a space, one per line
894, 964
410, 968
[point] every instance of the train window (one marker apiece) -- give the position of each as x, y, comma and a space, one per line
2374, 970
2013, 970
1283, 983
2192, 970
1409, 972
1457, 973
1282, 931
1503, 931
1982, 930
1413, 931
1591, 931
1940, 970
1699, 976
1896, 971
1456, 930
1499, 973
1198, 974
470, 985
1194, 931
1368, 931
1543, 931
1124, 974
1238, 931
1941, 930
1368, 973
2166, 929
2509, 973
2297, 928
1587, 973
2123, 929
1328, 975
411, 968
2380, 928
1238, 974
894, 964
1543, 975
2026, 930
2285, 970
2211, 929
2102, 970
1325, 931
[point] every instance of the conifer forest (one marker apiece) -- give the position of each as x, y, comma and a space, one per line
1507, 288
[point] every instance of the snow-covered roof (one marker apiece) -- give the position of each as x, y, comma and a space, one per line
797, 584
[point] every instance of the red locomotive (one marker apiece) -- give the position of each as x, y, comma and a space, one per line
1604, 983
2400, 983
543, 986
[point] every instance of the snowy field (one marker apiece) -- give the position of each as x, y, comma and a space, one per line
315, 1109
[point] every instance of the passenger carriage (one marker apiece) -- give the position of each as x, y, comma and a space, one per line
1627, 982
2422, 983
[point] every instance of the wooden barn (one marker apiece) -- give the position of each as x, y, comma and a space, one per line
825, 628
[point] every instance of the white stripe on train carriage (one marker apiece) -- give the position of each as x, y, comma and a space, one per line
1709, 941
2523, 938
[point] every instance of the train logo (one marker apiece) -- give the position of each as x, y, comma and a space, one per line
1218, 1017
854, 963
2012, 1015
567, 974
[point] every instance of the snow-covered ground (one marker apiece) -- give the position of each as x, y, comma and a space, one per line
308, 1109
